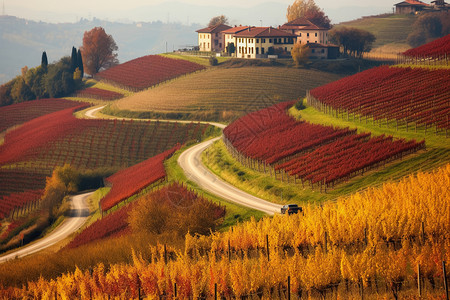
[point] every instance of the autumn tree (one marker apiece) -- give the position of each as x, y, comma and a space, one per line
218, 20
300, 54
429, 27
98, 51
309, 10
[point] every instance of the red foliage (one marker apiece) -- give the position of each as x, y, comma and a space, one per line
435, 49
17, 200
36, 133
132, 180
413, 94
101, 94
20, 113
147, 71
112, 225
116, 223
314, 153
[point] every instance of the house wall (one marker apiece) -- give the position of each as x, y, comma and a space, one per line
204, 41
319, 53
259, 47
312, 36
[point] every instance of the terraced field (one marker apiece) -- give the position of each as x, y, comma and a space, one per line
388, 29
225, 93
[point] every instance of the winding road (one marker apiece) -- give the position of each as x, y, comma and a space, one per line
191, 163
79, 214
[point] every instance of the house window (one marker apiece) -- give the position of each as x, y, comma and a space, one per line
270, 40
257, 50
263, 40
316, 33
262, 50
208, 45
257, 41
307, 34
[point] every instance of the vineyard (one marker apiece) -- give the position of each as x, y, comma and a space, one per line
175, 195
223, 93
390, 242
410, 97
100, 94
271, 141
147, 71
20, 113
438, 50
31, 152
132, 180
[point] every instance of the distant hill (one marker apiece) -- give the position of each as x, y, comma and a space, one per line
22, 41
391, 30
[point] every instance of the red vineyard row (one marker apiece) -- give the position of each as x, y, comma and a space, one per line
32, 151
17, 200
20, 113
312, 153
147, 71
435, 49
177, 196
132, 180
100, 94
112, 225
411, 94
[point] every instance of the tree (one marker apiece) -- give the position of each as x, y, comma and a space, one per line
44, 61
80, 63
98, 51
429, 27
73, 60
218, 20
309, 10
59, 80
231, 48
300, 54
353, 41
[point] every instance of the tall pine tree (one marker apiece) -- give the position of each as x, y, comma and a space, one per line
80, 63
73, 60
44, 61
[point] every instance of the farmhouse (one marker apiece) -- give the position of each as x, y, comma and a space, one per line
321, 51
230, 43
410, 7
259, 42
212, 38
306, 31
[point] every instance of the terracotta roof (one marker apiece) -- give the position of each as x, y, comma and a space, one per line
235, 29
214, 29
412, 2
254, 32
301, 24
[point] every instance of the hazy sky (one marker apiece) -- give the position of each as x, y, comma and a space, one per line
113, 10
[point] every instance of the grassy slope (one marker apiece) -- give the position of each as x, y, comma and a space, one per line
391, 31
436, 155
225, 93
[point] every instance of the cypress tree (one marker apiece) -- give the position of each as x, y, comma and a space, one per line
73, 60
44, 61
80, 63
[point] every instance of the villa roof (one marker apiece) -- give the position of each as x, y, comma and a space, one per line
235, 29
262, 32
412, 2
214, 29
301, 24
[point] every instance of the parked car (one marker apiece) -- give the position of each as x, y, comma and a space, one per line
291, 209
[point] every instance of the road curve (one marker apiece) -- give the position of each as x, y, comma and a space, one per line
190, 162
79, 214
